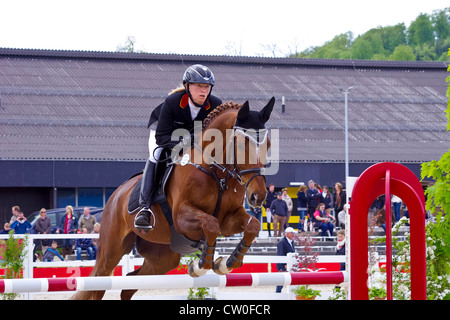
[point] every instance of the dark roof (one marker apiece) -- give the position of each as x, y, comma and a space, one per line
73, 105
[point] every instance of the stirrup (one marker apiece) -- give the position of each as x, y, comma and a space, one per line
151, 217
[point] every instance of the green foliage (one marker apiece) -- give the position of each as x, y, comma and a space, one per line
377, 293
13, 253
338, 294
438, 195
305, 292
338, 48
426, 39
200, 293
437, 234
438, 258
403, 52
421, 31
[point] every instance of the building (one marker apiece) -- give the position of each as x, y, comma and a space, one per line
73, 124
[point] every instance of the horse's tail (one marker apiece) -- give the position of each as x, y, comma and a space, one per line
90, 295
83, 295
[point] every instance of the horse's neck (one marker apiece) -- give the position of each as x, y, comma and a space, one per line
223, 123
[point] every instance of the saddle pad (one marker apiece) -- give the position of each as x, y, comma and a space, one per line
133, 202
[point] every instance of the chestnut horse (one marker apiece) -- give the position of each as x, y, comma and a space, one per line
206, 200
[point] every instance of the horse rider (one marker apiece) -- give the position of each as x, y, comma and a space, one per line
184, 105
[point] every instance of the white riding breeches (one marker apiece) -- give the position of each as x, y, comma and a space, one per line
154, 150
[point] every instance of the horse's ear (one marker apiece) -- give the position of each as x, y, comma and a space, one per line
243, 112
267, 110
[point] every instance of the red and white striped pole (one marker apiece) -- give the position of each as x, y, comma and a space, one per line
170, 281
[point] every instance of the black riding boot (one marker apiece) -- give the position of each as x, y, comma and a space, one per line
144, 217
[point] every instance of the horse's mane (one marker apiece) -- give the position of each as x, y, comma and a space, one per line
218, 110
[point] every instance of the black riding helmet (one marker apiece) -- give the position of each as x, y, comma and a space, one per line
198, 73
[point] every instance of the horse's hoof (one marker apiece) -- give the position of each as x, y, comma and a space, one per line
220, 266
194, 270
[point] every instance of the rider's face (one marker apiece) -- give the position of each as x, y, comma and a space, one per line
199, 92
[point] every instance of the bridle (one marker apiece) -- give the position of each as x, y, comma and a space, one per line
258, 138
233, 171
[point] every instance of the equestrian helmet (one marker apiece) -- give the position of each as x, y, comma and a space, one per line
198, 73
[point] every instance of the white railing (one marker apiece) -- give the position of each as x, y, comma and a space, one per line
129, 261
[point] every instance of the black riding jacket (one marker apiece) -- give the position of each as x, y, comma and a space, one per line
174, 113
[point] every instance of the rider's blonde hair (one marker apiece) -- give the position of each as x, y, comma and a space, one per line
178, 89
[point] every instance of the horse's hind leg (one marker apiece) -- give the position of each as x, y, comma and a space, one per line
158, 260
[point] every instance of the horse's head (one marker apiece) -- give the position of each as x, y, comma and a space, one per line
251, 145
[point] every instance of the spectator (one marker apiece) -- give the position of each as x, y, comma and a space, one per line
21, 225
279, 211
341, 217
84, 244
44, 226
339, 197
67, 225
6, 228
269, 199
15, 213
312, 198
323, 220
285, 246
396, 206
326, 198
87, 220
289, 204
302, 205
95, 242
51, 252
340, 247
380, 218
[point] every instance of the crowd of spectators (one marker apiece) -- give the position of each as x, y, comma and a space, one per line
69, 224
319, 208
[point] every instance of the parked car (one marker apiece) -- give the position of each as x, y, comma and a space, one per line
55, 216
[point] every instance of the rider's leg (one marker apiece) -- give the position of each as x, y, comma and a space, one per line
144, 217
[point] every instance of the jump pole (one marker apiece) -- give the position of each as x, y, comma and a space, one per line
170, 281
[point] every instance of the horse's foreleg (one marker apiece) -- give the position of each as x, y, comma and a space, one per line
250, 226
194, 224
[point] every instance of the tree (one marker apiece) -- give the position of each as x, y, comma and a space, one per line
338, 48
393, 37
427, 39
440, 19
129, 46
362, 49
438, 195
421, 31
425, 52
403, 52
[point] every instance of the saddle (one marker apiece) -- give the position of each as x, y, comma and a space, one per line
178, 242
